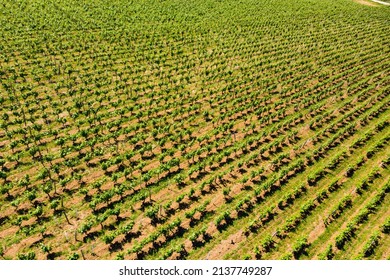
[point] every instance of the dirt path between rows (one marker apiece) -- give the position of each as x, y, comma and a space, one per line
370, 3
366, 2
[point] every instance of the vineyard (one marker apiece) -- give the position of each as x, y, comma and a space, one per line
194, 129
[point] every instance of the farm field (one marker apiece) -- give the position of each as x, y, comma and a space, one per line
197, 129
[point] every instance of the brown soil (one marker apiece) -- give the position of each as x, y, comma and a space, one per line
366, 3
225, 246
9, 232
28, 242
318, 230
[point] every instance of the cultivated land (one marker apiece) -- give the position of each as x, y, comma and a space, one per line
194, 129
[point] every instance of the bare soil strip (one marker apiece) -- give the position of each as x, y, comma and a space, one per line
367, 3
